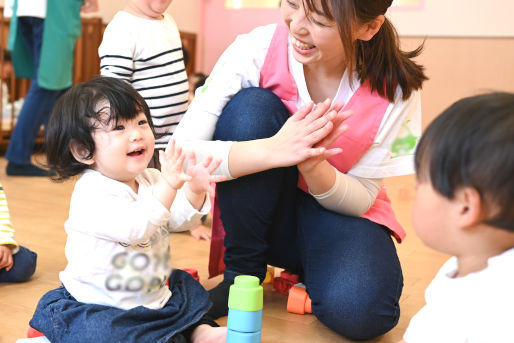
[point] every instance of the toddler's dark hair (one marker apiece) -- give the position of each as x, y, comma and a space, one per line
79, 111
471, 144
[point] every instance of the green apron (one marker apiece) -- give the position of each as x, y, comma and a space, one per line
62, 27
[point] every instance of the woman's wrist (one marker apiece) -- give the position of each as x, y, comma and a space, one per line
321, 178
249, 157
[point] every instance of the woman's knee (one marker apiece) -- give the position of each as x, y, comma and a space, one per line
253, 113
354, 317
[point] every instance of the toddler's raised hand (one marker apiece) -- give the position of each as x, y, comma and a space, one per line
201, 176
172, 162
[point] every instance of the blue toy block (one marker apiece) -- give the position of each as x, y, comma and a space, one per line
244, 321
243, 337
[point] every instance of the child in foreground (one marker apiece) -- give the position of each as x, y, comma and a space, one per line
114, 288
464, 207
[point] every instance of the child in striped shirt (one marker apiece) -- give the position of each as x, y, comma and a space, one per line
142, 46
17, 263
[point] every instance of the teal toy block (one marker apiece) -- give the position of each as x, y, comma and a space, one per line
245, 302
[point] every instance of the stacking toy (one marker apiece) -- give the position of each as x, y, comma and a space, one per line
244, 321
298, 300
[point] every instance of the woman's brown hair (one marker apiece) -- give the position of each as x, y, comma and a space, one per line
379, 60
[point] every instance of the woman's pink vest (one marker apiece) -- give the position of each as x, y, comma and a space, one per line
369, 109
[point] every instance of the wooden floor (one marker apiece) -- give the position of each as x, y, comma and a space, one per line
39, 208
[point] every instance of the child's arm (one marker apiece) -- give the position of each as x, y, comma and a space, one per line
173, 177
192, 202
199, 186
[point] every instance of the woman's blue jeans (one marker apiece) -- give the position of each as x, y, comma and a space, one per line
23, 268
38, 102
349, 264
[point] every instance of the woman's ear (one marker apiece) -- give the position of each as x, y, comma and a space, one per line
370, 29
80, 153
469, 207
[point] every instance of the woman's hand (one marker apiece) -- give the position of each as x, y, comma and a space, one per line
307, 134
324, 145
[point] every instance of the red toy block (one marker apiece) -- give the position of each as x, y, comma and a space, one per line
33, 333
285, 281
193, 272
299, 301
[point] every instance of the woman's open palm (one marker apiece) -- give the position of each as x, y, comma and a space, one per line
308, 133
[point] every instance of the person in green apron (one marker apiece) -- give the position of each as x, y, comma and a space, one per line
42, 37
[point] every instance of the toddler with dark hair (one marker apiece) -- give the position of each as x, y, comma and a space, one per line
118, 285
464, 207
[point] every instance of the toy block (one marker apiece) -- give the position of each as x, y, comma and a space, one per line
270, 274
245, 301
31, 333
298, 300
285, 281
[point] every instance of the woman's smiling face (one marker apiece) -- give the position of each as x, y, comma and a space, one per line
314, 37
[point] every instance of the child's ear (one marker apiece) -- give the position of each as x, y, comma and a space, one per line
369, 30
469, 207
80, 153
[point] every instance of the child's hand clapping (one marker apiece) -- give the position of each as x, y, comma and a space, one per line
200, 174
172, 162
201, 179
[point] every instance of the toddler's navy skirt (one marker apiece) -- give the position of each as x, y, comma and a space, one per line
61, 318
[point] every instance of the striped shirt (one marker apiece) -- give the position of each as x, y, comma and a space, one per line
148, 54
6, 229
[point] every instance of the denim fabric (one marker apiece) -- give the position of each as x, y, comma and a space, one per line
349, 264
23, 268
38, 102
61, 318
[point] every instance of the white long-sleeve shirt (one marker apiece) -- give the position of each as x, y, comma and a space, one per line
118, 245
476, 308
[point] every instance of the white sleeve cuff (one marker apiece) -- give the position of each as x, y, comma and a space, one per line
183, 215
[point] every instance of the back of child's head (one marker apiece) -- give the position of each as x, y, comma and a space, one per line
471, 144
81, 110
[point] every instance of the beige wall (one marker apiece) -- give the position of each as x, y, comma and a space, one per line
451, 18
459, 67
